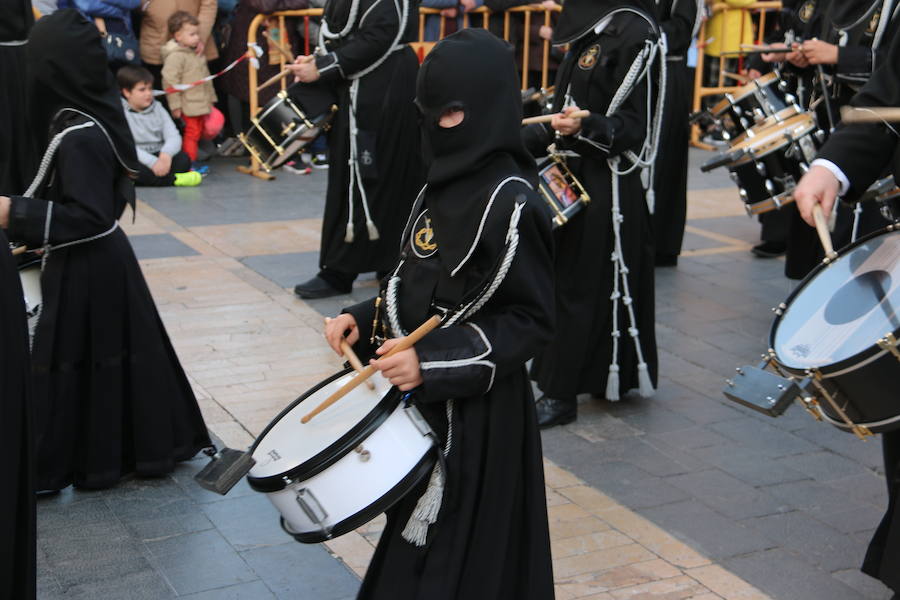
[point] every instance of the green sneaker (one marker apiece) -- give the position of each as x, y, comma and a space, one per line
189, 179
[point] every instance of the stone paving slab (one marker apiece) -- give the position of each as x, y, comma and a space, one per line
681, 496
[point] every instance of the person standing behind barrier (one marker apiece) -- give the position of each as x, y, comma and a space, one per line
605, 343
679, 21
155, 31
375, 165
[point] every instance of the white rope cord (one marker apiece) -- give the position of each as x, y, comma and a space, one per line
48, 157
640, 68
356, 180
325, 32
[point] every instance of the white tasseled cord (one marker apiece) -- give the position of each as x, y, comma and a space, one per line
356, 180
429, 505
48, 157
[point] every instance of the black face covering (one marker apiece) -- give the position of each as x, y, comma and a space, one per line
16, 19
473, 71
580, 17
67, 69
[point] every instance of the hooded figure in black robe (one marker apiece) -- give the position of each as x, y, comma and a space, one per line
17, 522
477, 250
605, 343
373, 175
862, 152
680, 21
110, 396
18, 159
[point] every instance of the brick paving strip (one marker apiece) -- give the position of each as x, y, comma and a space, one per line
249, 348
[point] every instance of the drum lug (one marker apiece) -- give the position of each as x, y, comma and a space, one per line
364, 455
779, 310
815, 383
889, 343
311, 506
761, 169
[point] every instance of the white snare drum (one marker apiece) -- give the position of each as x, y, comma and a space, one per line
345, 466
30, 276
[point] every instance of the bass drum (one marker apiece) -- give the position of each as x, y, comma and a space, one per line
840, 327
347, 465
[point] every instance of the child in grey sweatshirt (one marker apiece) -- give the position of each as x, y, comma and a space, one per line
156, 138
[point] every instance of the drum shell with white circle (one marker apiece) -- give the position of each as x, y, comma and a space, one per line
751, 103
863, 384
348, 464
397, 456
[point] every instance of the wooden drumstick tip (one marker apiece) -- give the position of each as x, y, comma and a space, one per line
824, 233
354, 361
578, 114
19, 250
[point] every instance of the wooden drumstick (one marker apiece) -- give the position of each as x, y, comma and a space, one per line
404, 343
869, 114
578, 114
287, 56
354, 361
274, 79
824, 234
19, 250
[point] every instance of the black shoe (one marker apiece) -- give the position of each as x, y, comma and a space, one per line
317, 288
769, 249
553, 411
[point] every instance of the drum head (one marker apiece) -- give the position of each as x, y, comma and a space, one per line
843, 308
288, 446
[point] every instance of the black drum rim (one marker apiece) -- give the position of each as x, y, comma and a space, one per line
850, 363
332, 453
382, 504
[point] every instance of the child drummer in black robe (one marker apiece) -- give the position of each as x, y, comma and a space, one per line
476, 250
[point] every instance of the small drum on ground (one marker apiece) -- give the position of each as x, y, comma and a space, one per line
767, 164
560, 189
833, 343
753, 103
288, 122
345, 466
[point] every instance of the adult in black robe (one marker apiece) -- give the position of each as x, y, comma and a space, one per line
17, 516
679, 20
18, 159
478, 250
605, 343
856, 156
110, 395
375, 166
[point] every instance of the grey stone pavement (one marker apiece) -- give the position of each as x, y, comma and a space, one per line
787, 504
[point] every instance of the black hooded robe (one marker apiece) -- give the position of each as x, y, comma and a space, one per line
491, 538
388, 140
17, 511
579, 357
679, 20
863, 151
110, 395
18, 160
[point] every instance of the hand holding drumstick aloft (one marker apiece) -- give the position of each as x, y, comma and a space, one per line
568, 122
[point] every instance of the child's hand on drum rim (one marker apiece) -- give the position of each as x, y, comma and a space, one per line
336, 328
401, 369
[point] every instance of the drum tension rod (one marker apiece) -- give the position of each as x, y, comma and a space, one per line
889, 343
859, 430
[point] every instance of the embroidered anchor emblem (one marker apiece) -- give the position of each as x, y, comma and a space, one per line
425, 236
589, 58
806, 11
873, 23
366, 158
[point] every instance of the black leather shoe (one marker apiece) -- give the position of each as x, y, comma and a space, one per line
555, 411
317, 288
769, 249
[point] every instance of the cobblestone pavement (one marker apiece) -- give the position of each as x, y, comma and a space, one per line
682, 496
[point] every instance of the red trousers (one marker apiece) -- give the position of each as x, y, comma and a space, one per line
193, 129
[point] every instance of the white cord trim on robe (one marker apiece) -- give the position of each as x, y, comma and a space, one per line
621, 291
429, 504
14, 43
356, 180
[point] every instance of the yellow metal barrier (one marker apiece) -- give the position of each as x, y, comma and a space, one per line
422, 47
757, 10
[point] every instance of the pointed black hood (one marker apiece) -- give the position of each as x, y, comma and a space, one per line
474, 71
580, 17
